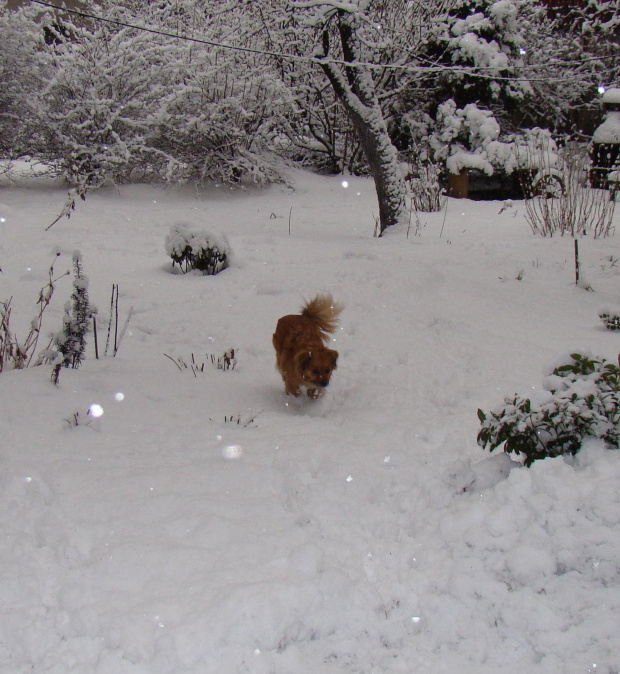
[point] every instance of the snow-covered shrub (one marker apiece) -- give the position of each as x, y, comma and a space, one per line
113, 103
581, 399
531, 150
470, 138
16, 354
91, 115
461, 138
21, 72
423, 178
220, 142
426, 192
194, 248
71, 342
558, 200
13, 355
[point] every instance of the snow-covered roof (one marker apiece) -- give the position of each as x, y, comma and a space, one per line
612, 95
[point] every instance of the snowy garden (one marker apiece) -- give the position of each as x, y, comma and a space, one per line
451, 503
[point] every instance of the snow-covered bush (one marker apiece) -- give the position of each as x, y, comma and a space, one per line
114, 103
461, 136
16, 354
221, 142
558, 199
581, 399
71, 342
469, 138
89, 121
472, 138
21, 72
426, 193
194, 248
531, 150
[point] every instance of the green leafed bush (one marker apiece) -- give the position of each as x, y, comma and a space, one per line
610, 319
581, 399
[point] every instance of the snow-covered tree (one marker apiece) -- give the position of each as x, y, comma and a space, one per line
594, 26
361, 47
216, 118
123, 103
341, 30
21, 72
527, 63
316, 130
211, 90
561, 71
483, 44
94, 111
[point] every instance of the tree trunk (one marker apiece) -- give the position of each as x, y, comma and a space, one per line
355, 89
382, 158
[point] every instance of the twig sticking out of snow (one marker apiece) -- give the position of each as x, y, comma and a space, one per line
227, 361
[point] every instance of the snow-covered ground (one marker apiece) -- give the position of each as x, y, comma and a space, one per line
364, 532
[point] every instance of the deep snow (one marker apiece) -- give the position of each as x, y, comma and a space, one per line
364, 532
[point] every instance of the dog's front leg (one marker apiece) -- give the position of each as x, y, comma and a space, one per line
291, 390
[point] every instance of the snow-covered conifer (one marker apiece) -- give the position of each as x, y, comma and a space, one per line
481, 45
71, 342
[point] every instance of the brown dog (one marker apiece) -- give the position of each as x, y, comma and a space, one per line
300, 343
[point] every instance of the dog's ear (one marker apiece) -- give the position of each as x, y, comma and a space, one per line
334, 356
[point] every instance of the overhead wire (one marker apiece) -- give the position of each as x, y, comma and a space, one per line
465, 70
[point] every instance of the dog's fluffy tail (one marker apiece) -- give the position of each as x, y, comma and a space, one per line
324, 312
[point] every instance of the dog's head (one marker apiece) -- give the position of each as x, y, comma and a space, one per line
316, 366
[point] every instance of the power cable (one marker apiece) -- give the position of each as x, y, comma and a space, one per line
318, 61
